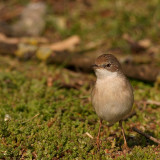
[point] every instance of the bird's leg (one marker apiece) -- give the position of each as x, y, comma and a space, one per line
125, 142
99, 131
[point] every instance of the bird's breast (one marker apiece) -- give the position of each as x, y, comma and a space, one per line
112, 98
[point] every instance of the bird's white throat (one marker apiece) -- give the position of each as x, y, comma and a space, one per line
104, 73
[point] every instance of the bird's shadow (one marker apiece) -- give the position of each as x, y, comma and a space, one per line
132, 141
137, 140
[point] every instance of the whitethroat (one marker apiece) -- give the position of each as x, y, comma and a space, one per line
112, 96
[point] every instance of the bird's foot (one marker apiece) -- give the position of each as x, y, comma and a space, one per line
125, 148
98, 142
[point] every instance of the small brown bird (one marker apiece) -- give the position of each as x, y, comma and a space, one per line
112, 96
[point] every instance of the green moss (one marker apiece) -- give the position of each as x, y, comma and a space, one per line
41, 121
37, 121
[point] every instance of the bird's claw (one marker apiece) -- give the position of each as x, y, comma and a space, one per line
98, 142
125, 149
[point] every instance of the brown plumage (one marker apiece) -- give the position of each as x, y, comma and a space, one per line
109, 62
112, 95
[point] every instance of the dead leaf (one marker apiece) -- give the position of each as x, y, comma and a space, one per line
67, 44
49, 81
137, 46
145, 43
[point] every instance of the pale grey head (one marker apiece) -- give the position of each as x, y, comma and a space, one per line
107, 65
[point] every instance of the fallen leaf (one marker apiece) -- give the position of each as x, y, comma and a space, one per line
67, 44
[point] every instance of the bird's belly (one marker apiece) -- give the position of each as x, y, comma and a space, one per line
112, 112
111, 104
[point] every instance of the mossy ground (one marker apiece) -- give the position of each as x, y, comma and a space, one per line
50, 122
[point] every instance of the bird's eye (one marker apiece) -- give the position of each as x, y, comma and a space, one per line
108, 65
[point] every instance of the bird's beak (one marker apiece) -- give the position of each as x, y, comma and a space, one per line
94, 66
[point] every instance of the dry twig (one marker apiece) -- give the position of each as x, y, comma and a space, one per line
146, 135
89, 135
157, 103
31, 118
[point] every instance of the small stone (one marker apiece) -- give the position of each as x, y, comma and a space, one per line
7, 117
31, 22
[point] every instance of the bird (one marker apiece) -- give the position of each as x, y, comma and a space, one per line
112, 95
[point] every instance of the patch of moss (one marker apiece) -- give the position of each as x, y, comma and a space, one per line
38, 121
